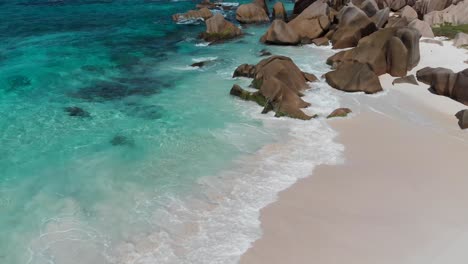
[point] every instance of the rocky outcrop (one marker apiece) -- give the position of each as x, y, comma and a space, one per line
312, 23
423, 28
251, 13
462, 117
353, 25
381, 17
409, 13
279, 12
202, 14
427, 6
445, 82
280, 84
368, 6
340, 112
218, 29
411, 79
354, 77
310, 28
389, 50
454, 14
461, 39
396, 22
323, 41
315, 9
244, 70
280, 33
263, 5
396, 5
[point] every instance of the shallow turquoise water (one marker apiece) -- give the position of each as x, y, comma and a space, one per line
73, 188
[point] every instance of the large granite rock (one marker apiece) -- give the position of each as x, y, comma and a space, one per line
389, 50
411, 79
340, 112
462, 117
312, 23
279, 12
202, 14
396, 5
281, 83
219, 29
461, 39
369, 7
409, 13
263, 5
353, 25
423, 27
310, 28
251, 13
427, 6
280, 33
445, 82
316, 9
454, 14
354, 77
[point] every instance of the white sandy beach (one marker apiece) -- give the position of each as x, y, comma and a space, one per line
400, 195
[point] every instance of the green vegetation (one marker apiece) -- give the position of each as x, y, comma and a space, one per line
449, 30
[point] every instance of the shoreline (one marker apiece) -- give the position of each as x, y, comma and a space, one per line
352, 208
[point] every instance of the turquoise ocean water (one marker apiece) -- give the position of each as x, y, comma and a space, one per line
165, 167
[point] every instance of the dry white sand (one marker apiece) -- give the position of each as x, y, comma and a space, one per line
401, 196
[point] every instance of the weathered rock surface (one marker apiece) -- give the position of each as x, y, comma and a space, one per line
263, 5
340, 112
218, 29
454, 14
244, 70
445, 82
423, 27
461, 39
281, 83
281, 33
427, 6
368, 6
354, 77
389, 50
323, 41
411, 79
396, 22
251, 13
381, 17
353, 25
310, 28
409, 13
462, 117
316, 9
279, 12
202, 14
396, 5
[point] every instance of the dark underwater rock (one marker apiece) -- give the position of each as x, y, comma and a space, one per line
76, 111
108, 91
18, 81
121, 140
149, 112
